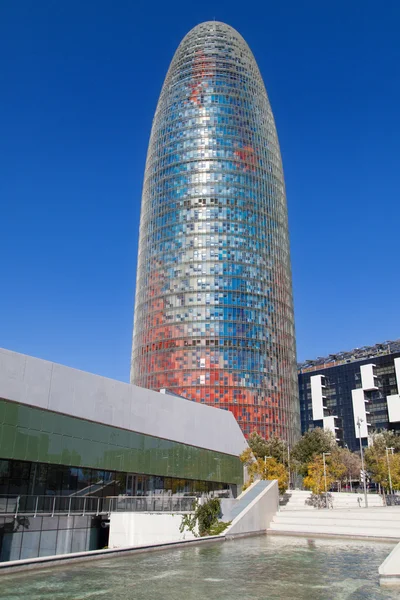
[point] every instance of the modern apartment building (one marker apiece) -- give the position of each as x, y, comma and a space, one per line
352, 393
214, 316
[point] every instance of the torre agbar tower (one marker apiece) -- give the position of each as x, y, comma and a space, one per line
214, 310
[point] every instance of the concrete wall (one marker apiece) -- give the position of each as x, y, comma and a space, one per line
389, 571
258, 514
54, 387
135, 529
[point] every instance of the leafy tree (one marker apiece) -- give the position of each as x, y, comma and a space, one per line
265, 468
274, 446
377, 467
315, 479
377, 461
348, 464
352, 463
247, 457
275, 470
313, 443
385, 439
335, 463
394, 462
257, 445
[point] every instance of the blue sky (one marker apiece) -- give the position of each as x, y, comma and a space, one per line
79, 85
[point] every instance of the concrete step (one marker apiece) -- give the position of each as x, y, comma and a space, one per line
344, 494
297, 500
332, 529
382, 515
306, 507
371, 501
300, 507
353, 523
346, 518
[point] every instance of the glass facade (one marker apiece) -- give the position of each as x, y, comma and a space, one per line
31, 537
27, 479
67, 444
44, 490
214, 311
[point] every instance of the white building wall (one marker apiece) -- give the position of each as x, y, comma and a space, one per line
329, 423
368, 379
319, 408
360, 402
393, 402
397, 371
317, 397
140, 529
359, 411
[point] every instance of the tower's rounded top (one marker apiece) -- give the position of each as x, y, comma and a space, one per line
212, 24
214, 27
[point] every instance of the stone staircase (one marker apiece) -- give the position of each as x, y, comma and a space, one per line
297, 500
346, 519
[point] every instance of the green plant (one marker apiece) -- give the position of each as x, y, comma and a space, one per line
189, 521
219, 527
205, 516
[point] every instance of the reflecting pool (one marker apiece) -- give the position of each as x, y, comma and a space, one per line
258, 568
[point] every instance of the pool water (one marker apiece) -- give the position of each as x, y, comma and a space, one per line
257, 568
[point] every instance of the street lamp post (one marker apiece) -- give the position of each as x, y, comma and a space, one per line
265, 459
326, 487
265, 465
349, 472
388, 464
359, 421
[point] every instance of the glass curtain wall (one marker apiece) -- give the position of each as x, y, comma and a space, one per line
214, 311
38, 479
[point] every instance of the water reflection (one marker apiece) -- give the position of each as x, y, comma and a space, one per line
260, 568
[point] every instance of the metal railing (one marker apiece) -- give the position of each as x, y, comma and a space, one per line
25, 505
153, 503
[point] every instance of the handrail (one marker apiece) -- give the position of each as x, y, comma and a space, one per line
34, 505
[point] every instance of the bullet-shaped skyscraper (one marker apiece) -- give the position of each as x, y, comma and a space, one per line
214, 309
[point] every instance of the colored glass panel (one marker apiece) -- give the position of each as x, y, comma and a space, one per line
214, 311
